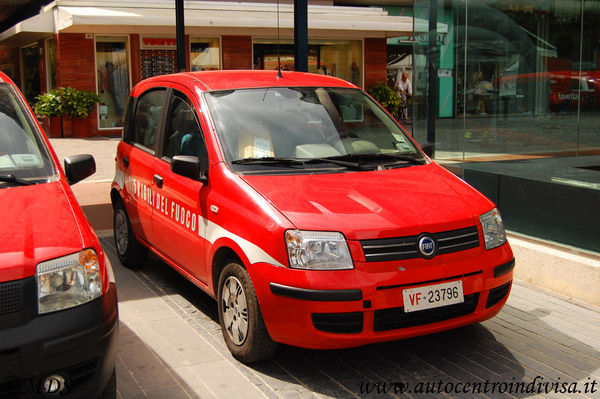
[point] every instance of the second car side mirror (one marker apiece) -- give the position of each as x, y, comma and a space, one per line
188, 166
78, 167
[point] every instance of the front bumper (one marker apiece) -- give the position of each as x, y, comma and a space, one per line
347, 308
79, 344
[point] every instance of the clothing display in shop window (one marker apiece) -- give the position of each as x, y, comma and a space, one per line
118, 83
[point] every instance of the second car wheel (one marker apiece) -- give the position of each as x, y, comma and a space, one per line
241, 321
131, 253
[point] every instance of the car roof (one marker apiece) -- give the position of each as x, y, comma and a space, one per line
242, 79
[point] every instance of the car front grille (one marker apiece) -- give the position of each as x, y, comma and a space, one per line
400, 248
11, 296
340, 323
393, 318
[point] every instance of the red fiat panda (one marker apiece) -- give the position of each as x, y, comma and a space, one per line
58, 300
305, 210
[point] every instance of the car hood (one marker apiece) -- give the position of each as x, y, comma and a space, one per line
375, 204
37, 223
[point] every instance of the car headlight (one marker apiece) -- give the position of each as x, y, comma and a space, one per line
317, 250
68, 281
493, 229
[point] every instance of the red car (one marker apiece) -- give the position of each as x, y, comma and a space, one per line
58, 301
305, 209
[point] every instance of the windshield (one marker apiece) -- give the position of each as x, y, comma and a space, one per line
306, 125
23, 156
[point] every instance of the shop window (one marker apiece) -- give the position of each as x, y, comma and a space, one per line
112, 64
205, 54
340, 58
30, 72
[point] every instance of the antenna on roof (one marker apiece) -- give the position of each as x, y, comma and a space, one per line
279, 75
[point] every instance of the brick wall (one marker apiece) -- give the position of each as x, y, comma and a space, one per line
237, 52
375, 61
75, 68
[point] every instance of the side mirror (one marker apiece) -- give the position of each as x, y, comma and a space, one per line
188, 166
78, 167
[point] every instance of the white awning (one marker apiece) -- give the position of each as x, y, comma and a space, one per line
29, 31
84, 16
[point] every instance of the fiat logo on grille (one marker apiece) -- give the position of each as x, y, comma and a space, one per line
427, 247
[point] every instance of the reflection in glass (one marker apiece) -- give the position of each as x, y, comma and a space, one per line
205, 54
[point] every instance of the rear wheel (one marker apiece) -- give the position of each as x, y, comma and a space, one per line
241, 321
131, 253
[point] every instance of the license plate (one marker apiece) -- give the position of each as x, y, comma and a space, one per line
433, 296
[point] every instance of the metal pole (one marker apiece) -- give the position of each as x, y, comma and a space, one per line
180, 29
301, 35
432, 66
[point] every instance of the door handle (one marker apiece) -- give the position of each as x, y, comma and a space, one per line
158, 180
125, 161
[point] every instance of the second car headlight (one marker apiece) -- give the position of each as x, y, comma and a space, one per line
493, 229
68, 281
317, 250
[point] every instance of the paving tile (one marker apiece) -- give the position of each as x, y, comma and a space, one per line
127, 386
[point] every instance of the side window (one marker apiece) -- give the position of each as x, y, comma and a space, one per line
144, 130
182, 131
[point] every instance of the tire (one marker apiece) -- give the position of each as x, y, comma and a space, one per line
131, 253
242, 325
110, 390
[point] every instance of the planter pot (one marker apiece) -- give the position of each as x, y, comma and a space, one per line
81, 127
67, 127
53, 124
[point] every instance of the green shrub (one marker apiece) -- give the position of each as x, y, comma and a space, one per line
387, 97
49, 104
67, 101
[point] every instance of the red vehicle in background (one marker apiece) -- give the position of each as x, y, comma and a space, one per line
58, 301
566, 88
305, 209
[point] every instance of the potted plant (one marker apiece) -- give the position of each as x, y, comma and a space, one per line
387, 97
74, 103
49, 105
77, 105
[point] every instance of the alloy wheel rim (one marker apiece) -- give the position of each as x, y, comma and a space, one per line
121, 232
235, 310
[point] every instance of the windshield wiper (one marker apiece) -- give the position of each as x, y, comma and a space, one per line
336, 161
268, 161
279, 161
379, 157
10, 178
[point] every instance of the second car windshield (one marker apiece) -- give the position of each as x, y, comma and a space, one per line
305, 124
23, 156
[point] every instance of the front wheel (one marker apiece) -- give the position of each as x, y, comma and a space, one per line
241, 321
